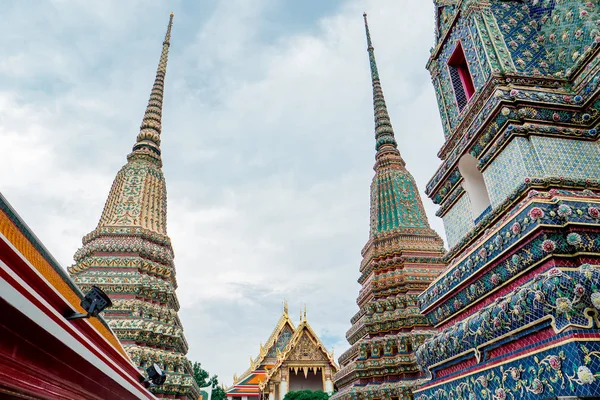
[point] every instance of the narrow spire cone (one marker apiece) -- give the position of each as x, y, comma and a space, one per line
148, 140
386, 144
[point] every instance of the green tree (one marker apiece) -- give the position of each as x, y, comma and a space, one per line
218, 393
201, 376
306, 395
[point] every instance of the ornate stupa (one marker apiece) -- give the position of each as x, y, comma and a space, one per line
402, 256
130, 257
518, 90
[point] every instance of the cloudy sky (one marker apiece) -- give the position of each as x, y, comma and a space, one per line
267, 143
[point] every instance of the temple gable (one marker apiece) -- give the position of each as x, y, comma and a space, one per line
306, 350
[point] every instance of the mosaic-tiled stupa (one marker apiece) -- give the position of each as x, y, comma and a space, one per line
517, 83
130, 257
402, 256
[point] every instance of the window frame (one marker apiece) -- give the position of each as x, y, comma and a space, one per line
458, 62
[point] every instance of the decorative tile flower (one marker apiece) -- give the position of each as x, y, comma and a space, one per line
548, 246
537, 387
573, 238
536, 213
563, 305
495, 279
584, 375
515, 228
554, 362
564, 211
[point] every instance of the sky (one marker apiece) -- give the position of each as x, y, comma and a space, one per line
267, 142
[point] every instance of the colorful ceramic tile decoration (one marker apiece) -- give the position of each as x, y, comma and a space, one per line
130, 257
402, 256
517, 308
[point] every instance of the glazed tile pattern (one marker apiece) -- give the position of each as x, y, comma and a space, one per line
568, 158
458, 220
444, 14
562, 368
130, 257
516, 162
531, 217
564, 296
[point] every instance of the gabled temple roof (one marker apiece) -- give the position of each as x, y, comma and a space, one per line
282, 333
304, 329
282, 343
270, 348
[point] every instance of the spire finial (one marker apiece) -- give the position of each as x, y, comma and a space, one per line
384, 133
148, 140
304, 312
285, 307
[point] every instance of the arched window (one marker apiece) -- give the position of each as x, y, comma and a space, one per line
474, 185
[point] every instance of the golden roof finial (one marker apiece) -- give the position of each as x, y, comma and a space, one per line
304, 312
285, 307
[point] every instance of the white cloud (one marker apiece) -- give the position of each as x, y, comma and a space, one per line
267, 142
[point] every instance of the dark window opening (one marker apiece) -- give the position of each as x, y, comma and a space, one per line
460, 77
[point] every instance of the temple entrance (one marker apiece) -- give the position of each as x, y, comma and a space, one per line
312, 381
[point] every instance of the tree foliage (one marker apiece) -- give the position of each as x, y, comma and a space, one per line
201, 376
306, 395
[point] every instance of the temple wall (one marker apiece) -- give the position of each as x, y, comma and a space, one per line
539, 157
458, 220
546, 37
509, 169
573, 159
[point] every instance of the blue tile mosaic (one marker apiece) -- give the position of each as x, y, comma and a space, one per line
567, 158
509, 169
458, 220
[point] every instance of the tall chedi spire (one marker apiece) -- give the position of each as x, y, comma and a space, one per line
130, 256
402, 256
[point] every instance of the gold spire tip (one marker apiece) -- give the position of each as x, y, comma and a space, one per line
172, 15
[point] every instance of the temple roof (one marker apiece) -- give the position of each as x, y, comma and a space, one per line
281, 345
278, 339
304, 345
283, 331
